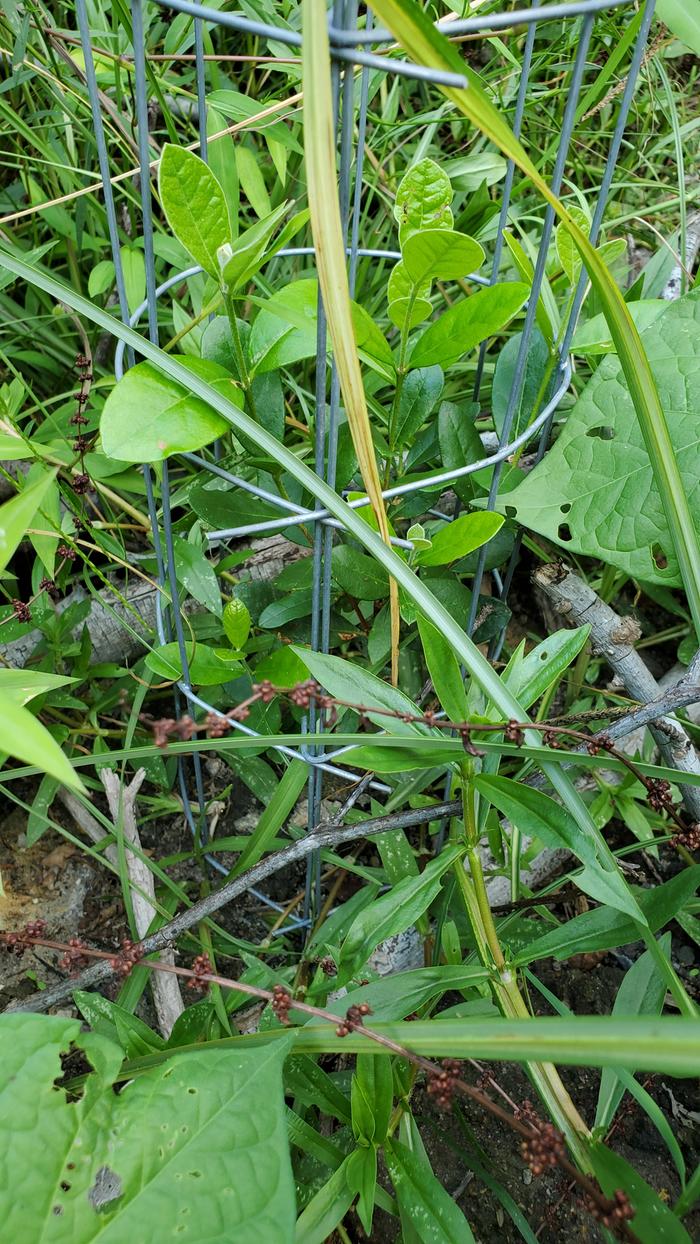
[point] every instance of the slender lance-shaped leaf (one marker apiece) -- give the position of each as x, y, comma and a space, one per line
425, 45
319, 152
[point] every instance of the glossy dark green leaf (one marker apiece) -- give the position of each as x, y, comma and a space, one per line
468, 322
197, 575
419, 395
359, 575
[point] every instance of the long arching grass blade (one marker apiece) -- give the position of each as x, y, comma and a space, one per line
424, 44
319, 153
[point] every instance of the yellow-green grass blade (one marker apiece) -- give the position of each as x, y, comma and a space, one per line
326, 227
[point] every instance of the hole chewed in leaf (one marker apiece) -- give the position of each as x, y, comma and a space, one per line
603, 432
660, 558
563, 532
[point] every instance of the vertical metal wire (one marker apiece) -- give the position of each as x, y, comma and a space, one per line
174, 614
507, 187
521, 362
200, 65
601, 203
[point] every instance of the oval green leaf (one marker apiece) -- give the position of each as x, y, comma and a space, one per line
147, 416
456, 539
195, 206
467, 323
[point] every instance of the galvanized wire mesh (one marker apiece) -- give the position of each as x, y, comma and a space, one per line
350, 38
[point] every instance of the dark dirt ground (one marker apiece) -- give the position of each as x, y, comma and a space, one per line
77, 897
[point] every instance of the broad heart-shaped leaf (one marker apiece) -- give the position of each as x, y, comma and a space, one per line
194, 205
594, 493
392, 913
683, 19
440, 254
423, 199
17, 513
465, 324
148, 417
460, 537
23, 737
195, 1150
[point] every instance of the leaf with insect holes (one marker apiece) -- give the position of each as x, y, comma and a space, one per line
196, 1143
147, 416
423, 199
594, 494
466, 323
195, 206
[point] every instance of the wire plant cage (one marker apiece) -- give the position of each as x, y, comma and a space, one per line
360, 51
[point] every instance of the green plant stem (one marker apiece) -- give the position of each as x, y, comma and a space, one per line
472, 887
239, 354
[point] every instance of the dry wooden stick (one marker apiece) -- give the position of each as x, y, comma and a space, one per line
614, 637
122, 806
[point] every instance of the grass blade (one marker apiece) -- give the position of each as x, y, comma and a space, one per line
326, 227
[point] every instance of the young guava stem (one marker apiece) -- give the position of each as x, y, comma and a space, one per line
239, 355
472, 887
